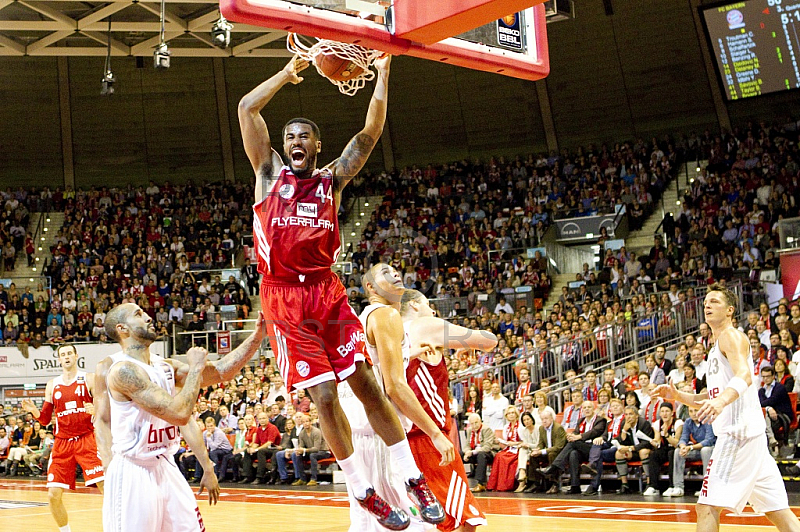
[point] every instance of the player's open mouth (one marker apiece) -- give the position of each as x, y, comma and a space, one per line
298, 156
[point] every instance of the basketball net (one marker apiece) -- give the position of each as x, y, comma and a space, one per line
360, 56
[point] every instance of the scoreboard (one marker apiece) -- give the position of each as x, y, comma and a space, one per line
755, 44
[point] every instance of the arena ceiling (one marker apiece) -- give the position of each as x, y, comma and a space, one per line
70, 28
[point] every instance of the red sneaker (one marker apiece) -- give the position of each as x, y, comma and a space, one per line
386, 514
430, 509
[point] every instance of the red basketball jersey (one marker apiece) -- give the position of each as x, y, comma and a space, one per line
71, 419
430, 384
295, 227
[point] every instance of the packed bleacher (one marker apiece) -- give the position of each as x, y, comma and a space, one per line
160, 246
458, 233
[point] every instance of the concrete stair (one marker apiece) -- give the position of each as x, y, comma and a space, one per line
351, 230
558, 280
642, 240
51, 224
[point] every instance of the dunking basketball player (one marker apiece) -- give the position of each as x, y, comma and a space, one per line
741, 469
428, 378
317, 338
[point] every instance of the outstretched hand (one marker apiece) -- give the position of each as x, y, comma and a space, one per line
297, 64
667, 392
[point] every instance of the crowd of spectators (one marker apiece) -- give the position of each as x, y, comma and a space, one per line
266, 428
457, 232
459, 227
536, 443
155, 246
727, 223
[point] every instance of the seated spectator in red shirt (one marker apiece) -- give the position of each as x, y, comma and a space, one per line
261, 448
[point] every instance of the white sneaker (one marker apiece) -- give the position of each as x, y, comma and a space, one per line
668, 493
676, 492
696, 493
649, 492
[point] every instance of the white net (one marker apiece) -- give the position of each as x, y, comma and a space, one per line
360, 56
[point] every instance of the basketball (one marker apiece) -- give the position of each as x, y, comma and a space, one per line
509, 20
336, 68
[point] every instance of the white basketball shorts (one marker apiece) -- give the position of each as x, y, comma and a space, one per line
149, 496
742, 471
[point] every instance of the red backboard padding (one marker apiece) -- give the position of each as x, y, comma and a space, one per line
430, 22
324, 24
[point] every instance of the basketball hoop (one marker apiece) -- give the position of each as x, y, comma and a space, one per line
361, 57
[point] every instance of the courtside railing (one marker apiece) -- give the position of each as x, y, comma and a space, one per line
608, 345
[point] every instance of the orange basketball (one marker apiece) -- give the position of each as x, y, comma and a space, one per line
509, 20
336, 68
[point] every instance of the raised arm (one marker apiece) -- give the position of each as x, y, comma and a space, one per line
357, 151
386, 327
130, 382
437, 332
102, 412
255, 135
227, 367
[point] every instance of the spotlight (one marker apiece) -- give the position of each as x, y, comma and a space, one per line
161, 57
107, 84
221, 32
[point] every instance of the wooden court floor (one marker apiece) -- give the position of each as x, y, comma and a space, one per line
23, 507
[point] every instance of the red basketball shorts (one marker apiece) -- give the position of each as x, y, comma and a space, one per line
449, 484
314, 333
68, 452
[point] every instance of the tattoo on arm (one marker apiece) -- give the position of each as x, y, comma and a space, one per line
228, 366
355, 156
134, 383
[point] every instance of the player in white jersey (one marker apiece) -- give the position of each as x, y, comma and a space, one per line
388, 346
149, 401
741, 469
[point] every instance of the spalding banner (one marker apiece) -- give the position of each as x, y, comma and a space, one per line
42, 364
790, 274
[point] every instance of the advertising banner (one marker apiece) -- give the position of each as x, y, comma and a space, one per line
790, 274
42, 364
223, 342
577, 228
